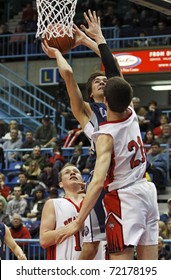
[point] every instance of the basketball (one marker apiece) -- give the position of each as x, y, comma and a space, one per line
63, 43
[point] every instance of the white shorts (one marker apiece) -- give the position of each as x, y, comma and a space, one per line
94, 225
131, 216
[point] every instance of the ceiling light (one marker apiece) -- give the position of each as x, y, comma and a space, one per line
161, 87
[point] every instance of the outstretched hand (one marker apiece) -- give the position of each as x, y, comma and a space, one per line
51, 52
79, 36
94, 26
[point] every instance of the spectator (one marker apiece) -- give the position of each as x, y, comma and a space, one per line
163, 253
76, 136
148, 138
28, 14
35, 155
29, 143
34, 209
143, 41
26, 186
7, 239
153, 114
57, 159
4, 202
89, 163
33, 173
162, 229
168, 229
19, 231
4, 190
165, 138
13, 143
162, 30
141, 113
158, 131
13, 125
2, 159
46, 134
165, 216
158, 168
78, 159
53, 192
109, 13
49, 176
16, 205
4, 217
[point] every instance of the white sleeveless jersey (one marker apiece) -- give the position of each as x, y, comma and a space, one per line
66, 211
128, 160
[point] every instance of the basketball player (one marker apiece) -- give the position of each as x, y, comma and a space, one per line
5, 237
61, 211
89, 115
130, 200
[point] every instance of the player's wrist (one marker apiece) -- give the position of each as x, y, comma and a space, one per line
100, 40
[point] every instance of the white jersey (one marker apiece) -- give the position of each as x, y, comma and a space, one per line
66, 211
128, 160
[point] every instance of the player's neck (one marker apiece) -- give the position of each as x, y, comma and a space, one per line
114, 116
75, 197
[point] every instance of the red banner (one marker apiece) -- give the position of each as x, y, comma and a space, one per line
144, 61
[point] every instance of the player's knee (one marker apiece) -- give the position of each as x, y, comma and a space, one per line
89, 250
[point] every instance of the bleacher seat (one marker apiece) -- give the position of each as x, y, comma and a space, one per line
13, 166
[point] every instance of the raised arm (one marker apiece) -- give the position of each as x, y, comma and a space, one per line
81, 109
94, 31
104, 146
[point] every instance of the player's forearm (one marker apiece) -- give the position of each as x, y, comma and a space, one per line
92, 194
110, 63
49, 238
18, 252
89, 43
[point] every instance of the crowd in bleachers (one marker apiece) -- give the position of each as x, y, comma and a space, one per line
29, 175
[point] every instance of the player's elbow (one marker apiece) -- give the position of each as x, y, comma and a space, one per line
43, 243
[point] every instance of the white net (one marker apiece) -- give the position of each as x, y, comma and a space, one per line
55, 17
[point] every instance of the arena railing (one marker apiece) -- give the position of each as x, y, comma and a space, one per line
34, 251
31, 248
30, 48
16, 164
66, 152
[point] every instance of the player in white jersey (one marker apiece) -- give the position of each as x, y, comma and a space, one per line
61, 211
130, 201
89, 115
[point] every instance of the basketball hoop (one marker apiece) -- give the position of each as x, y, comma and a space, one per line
55, 17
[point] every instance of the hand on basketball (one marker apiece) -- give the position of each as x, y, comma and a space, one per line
51, 52
94, 27
79, 36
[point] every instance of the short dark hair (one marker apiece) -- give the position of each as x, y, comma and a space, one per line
118, 94
90, 80
155, 143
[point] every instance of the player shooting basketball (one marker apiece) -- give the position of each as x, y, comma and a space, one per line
89, 115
